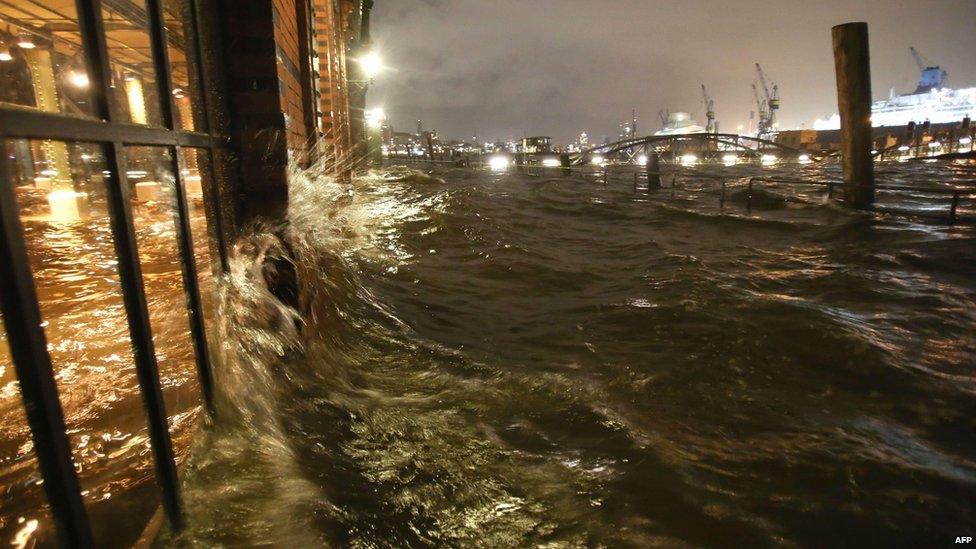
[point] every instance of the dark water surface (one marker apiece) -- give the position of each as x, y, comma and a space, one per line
492, 359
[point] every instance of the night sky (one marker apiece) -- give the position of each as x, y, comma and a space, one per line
508, 68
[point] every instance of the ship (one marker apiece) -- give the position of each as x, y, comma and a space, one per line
679, 123
933, 101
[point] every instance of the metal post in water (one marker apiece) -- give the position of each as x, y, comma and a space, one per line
852, 62
564, 162
653, 169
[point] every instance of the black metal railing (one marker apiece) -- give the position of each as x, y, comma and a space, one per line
18, 297
954, 196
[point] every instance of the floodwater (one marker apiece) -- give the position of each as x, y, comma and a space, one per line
495, 359
75, 272
488, 358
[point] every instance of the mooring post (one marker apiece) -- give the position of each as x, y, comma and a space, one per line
564, 162
852, 62
653, 169
430, 146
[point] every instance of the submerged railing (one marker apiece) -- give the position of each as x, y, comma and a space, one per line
954, 196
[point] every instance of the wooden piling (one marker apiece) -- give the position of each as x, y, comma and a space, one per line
564, 162
852, 62
653, 168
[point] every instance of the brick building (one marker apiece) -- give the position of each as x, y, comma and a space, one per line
290, 63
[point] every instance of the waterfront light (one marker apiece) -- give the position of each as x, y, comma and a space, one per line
5, 55
642, 159
67, 205
803, 159
730, 159
25, 41
768, 159
598, 160
78, 79
935, 145
371, 64
374, 117
904, 148
551, 162
965, 141
498, 162
689, 159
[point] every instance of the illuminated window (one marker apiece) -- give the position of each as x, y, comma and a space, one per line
41, 64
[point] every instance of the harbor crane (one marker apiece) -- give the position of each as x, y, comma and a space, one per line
711, 126
771, 102
764, 125
932, 76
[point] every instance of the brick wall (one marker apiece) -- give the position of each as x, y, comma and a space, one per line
276, 112
332, 21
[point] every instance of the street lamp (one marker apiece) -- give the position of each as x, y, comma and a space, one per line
371, 64
374, 117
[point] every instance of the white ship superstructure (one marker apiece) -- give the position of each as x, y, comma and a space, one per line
680, 123
932, 101
938, 106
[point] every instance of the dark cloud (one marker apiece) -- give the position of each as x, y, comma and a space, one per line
511, 67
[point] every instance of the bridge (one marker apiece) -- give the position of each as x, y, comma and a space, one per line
706, 146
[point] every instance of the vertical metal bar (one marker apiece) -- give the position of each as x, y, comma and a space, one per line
212, 187
721, 200
749, 195
191, 32
164, 77
96, 57
191, 285
28, 348
133, 292
130, 274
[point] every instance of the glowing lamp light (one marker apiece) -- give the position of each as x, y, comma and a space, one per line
67, 205
935, 145
78, 79
768, 159
598, 160
24, 41
904, 148
5, 55
551, 162
803, 159
642, 159
688, 159
730, 159
965, 141
374, 117
371, 64
498, 162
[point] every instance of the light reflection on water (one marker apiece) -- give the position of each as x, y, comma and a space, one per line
74, 269
486, 358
